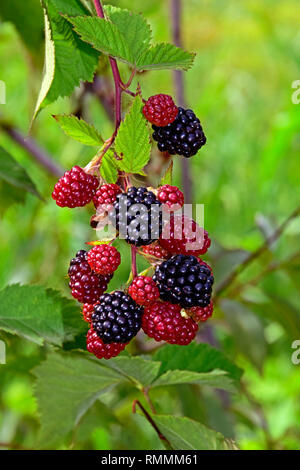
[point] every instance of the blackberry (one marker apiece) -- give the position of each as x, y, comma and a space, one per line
137, 216
171, 197
163, 322
182, 235
102, 351
184, 136
86, 285
104, 259
105, 196
75, 188
160, 110
143, 290
117, 318
185, 281
201, 313
155, 251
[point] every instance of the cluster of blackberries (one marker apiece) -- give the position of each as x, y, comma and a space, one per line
169, 305
176, 130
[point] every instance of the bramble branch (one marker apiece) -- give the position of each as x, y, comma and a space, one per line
28, 144
176, 10
256, 254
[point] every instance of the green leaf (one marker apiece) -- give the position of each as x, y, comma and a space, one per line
103, 36
133, 143
28, 21
68, 60
79, 130
140, 371
15, 175
187, 434
168, 175
39, 314
197, 358
108, 168
247, 330
67, 386
134, 28
216, 378
165, 56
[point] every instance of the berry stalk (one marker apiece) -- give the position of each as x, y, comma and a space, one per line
119, 88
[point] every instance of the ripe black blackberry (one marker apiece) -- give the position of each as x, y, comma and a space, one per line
137, 215
184, 136
117, 318
185, 281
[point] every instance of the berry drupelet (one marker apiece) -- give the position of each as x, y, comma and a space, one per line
117, 318
104, 259
101, 350
182, 235
185, 281
75, 189
143, 290
164, 322
184, 136
137, 216
86, 285
160, 110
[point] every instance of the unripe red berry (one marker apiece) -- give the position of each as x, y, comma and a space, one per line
160, 110
86, 285
105, 196
143, 290
155, 250
96, 346
201, 314
75, 189
87, 311
163, 322
183, 235
171, 197
104, 259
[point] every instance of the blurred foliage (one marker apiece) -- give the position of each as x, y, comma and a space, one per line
248, 55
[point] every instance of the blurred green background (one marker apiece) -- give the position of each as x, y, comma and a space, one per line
248, 56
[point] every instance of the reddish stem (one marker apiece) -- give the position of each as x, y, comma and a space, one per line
119, 88
176, 11
152, 422
116, 75
133, 261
